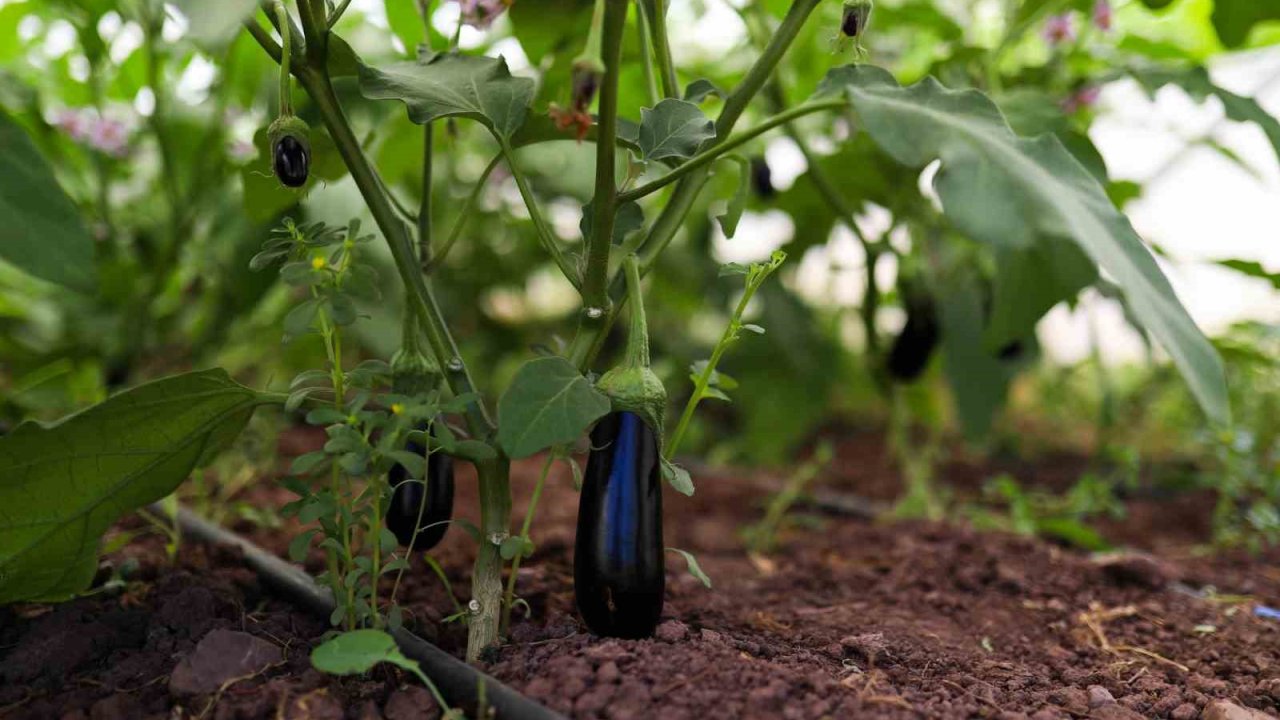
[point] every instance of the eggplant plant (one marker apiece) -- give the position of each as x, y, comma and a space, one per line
1024, 210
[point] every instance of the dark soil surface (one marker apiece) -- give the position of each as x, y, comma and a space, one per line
848, 618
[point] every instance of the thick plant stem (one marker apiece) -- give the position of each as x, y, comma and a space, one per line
586, 344
486, 578
595, 282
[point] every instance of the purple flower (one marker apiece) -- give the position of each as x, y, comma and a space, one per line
1102, 15
1084, 98
1059, 29
481, 13
75, 123
109, 136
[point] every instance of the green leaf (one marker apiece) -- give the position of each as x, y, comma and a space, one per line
1011, 192
357, 652
979, 381
675, 128
677, 477
62, 486
42, 233
733, 210
548, 403
449, 85
1233, 19
1253, 269
214, 24
700, 90
694, 568
1195, 81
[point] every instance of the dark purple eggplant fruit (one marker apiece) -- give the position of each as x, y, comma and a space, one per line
618, 571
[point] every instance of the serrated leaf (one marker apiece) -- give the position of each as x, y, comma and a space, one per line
62, 486
42, 233
1013, 192
548, 403
694, 568
733, 210
452, 85
674, 128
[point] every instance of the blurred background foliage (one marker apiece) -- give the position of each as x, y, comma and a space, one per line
158, 136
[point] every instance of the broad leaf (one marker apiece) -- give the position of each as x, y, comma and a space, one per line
357, 652
674, 128
41, 233
1233, 19
62, 486
979, 380
548, 403
1195, 81
1011, 192
450, 85
214, 24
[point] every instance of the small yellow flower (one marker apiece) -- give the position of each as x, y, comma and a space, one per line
397, 408
317, 263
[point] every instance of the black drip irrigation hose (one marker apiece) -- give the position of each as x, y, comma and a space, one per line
460, 683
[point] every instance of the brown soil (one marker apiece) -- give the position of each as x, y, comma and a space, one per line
847, 619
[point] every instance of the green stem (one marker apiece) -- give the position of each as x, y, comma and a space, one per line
336, 15
486, 576
706, 157
704, 378
646, 55
638, 339
510, 595
286, 93
424, 206
464, 213
319, 87
595, 287
545, 236
656, 10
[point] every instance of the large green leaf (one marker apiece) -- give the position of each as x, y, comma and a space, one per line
1011, 192
214, 24
673, 128
1233, 19
549, 403
451, 85
63, 485
41, 233
1195, 81
979, 380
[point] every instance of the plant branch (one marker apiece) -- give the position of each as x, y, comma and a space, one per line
424, 205
510, 596
545, 235
315, 80
655, 12
707, 156
336, 15
464, 214
595, 288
